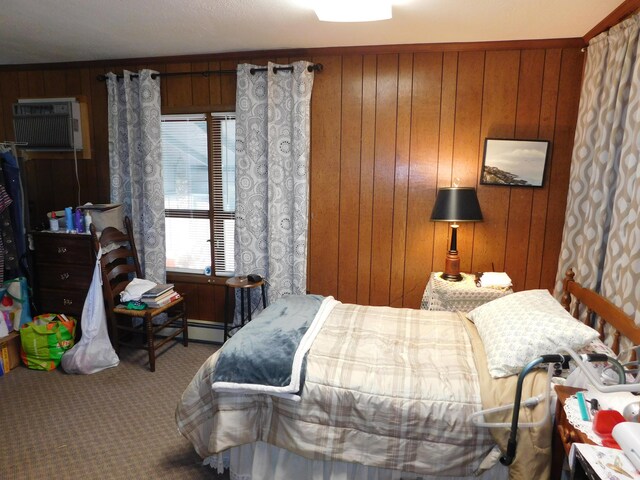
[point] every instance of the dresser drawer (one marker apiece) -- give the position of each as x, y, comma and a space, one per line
64, 276
63, 267
62, 301
63, 248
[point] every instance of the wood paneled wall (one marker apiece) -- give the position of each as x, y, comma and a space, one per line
388, 130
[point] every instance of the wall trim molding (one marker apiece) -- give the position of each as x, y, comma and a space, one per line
311, 52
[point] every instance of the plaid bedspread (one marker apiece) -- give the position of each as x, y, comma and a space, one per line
385, 387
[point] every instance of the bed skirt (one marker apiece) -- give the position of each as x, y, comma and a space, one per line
262, 461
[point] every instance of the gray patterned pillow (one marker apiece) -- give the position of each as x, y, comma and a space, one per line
522, 326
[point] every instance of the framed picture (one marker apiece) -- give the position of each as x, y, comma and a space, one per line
516, 163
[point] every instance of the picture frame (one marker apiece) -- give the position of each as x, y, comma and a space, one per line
514, 162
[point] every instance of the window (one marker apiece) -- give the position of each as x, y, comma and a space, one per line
198, 156
223, 179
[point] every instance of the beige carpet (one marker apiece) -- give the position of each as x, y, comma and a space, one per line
115, 424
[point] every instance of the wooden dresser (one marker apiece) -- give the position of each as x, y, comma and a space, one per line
63, 266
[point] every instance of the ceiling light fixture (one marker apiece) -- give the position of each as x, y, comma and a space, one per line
352, 10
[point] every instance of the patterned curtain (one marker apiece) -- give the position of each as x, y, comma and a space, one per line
272, 185
135, 164
601, 238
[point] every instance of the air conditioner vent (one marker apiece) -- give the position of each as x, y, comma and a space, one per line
48, 125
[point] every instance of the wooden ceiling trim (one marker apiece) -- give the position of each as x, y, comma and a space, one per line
309, 52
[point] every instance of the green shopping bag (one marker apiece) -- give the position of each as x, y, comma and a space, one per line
45, 339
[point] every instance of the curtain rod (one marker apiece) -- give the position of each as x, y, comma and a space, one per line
318, 67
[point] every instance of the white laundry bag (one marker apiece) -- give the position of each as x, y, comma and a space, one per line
94, 351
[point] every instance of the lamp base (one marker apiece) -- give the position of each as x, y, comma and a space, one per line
452, 267
451, 278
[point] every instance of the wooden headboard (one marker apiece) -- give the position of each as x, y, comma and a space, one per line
597, 312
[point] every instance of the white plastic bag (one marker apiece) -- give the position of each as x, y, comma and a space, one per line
94, 351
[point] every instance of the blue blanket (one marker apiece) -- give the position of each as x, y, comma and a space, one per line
268, 355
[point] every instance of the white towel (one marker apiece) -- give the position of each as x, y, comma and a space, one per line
135, 289
495, 279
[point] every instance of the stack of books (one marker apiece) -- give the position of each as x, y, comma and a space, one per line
160, 295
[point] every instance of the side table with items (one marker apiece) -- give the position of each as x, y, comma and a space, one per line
245, 284
573, 439
464, 296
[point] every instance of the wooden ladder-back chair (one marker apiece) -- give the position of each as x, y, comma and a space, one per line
119, 265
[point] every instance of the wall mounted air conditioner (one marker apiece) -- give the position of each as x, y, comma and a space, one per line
48, 124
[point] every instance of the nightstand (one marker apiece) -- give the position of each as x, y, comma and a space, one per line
461, 296
564, 434
245, 287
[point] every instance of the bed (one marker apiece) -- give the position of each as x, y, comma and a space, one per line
387, 395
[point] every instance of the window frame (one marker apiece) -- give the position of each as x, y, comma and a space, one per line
177, 273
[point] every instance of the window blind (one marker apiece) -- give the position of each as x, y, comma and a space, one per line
222, 180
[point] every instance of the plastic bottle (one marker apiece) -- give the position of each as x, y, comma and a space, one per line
79, 221
68, 216
87, 220
54, 224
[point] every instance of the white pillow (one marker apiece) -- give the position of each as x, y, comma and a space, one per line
520, 327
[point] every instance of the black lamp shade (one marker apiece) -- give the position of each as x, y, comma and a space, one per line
456, 204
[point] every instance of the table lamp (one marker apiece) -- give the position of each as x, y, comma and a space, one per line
455, 204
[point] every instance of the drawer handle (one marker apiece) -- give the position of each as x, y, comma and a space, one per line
64, 276
62, 249
66, 301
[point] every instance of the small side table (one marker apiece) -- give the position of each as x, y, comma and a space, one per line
463, 296
245, 287
564, 434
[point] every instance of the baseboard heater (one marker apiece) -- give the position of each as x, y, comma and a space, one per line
204, 332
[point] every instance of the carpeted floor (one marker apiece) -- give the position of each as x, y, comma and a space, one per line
115, 424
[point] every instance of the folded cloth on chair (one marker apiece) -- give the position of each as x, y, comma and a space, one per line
268, 355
